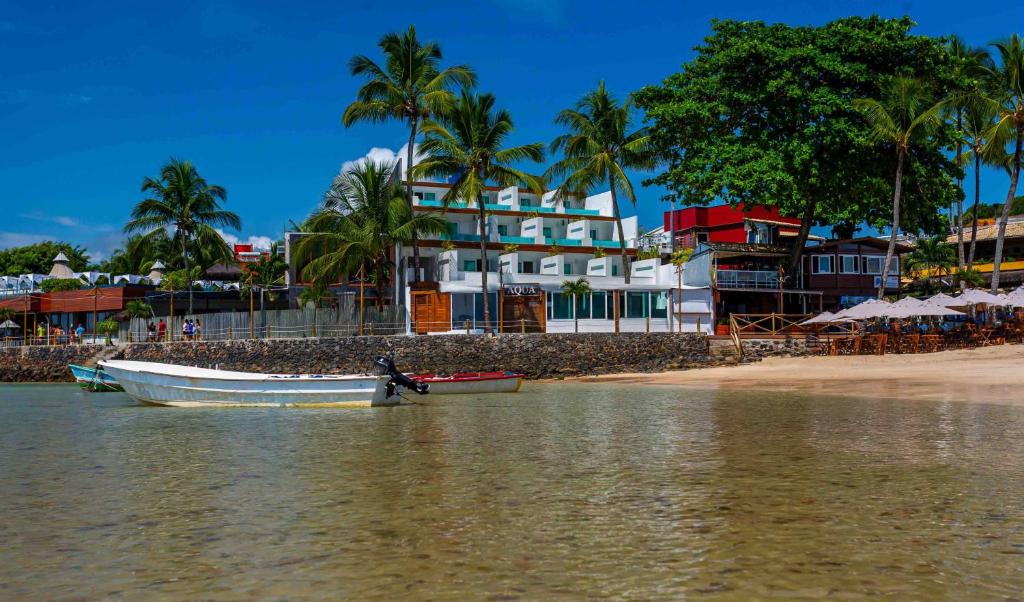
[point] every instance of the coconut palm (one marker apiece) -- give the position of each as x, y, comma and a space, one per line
930, 259
905, 114
467, 146
970, 67
362, 216
1006, 99
576, 289
977, 121
410, 87
182, 199
598, 150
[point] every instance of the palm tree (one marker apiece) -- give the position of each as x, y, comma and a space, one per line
467, 146
977, 121
598, 150
904, 115
1006, 99
930, 259
576, 289
183, 200
137, 308
411, 87
362, 216
970, 66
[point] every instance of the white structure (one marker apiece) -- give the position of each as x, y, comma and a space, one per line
536, 242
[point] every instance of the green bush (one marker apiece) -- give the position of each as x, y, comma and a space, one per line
61, 284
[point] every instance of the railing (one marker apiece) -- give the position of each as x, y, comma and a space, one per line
734, 333
754, 325
747, 279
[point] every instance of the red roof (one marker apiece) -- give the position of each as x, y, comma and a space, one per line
724, 215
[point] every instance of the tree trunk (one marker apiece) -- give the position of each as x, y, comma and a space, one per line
959, 201
618, 224
1014, 175
801, 241
974, 211
895, 222
188, 273
408, 197
483, 258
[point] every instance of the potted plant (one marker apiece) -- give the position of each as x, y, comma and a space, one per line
599, 253
107, 328
447, 245
508, 249
722, 327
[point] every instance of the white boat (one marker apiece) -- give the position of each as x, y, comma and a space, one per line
467, 383
185, 386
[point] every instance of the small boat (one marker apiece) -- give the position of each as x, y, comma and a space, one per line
153, 383
92, 379
472, 382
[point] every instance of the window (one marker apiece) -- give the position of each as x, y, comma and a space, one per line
560, 307
593, 234
547, 232
848, 264
567, 269
527, 267
702, 237
823, 264
583, 306
429, 196
471, 265
872, 264
599, 306
636, 305
503, 230
660, 305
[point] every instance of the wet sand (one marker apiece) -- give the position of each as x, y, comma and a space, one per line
986, 375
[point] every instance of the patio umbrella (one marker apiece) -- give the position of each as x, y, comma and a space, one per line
941, 299
909, 302
925, 310
975, 296
9, 324
1015, 298
819, 319
872, 308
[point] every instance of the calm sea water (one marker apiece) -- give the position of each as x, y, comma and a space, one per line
562, 491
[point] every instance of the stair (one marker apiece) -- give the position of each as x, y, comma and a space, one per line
105, 353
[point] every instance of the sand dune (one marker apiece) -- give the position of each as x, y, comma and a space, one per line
987, 375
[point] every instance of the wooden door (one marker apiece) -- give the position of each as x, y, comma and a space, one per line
529, 308
431, 311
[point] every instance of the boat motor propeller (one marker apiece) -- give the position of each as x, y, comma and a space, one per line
385, 366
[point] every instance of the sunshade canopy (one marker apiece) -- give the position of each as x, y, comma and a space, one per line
975, 296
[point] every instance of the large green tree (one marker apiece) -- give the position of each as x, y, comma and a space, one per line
182, 200
763, 115
600, 146
467, 146
409, 87
37, 258
363, 215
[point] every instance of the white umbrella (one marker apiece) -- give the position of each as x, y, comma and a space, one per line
909, 302
9, 324
872, 308
1015, 298
975, 296
820, 318
925, 310
942, 299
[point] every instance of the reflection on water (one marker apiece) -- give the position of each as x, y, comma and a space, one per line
560, 491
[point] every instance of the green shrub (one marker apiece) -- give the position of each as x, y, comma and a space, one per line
61, 284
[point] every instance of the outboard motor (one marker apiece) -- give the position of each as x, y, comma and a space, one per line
384, 366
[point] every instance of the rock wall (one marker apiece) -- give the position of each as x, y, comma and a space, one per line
44, 364
536, 355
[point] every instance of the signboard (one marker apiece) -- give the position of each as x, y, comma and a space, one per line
521, 290
890, 282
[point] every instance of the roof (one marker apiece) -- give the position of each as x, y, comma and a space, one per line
991, 231
60, 257
871, 241
224, 270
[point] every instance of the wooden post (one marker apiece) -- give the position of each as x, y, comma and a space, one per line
371, 328
252, 324
615, 309
25, 332
269, 331
467, 326
522, 325
698, 323
230, 337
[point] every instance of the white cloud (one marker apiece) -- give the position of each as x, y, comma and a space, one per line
384, 155
260, 243
60, 220
19, 239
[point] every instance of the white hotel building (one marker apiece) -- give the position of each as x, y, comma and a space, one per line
555, 240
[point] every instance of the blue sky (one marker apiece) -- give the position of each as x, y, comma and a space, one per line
94, 96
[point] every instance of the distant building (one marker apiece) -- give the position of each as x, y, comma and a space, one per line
754, 224
847, 272
1011, 269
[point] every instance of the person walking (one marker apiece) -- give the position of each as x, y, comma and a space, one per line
161, 330
79, 333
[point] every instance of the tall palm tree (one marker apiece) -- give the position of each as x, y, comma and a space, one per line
363, 214
931, 258
1006, 99
598, 150
467, 146
976, 122
576, 289
181, 199
905, 114
410, 87
970, 65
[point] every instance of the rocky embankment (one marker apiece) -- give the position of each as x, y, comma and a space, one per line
536, 355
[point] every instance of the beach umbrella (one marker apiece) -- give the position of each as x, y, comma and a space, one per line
975, 296
924, 310
909, 302
872, 308
942, 299
1015, 297
9, 324
819, 319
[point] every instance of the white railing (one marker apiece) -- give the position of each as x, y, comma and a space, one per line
747, 279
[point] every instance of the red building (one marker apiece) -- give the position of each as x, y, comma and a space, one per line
724, 223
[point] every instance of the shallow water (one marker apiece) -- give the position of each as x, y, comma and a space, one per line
562, 491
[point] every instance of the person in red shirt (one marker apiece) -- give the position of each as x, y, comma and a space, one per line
161, 330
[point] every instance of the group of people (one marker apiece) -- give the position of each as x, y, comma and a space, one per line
191, 330
54, 335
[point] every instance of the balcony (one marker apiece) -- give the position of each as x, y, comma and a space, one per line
570, 211
763, 279
608, 244
563, 242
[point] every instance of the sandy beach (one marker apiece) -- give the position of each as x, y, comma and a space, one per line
986, 375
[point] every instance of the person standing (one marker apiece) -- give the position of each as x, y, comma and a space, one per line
79, 333
196, 330
151, 332
161, 330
